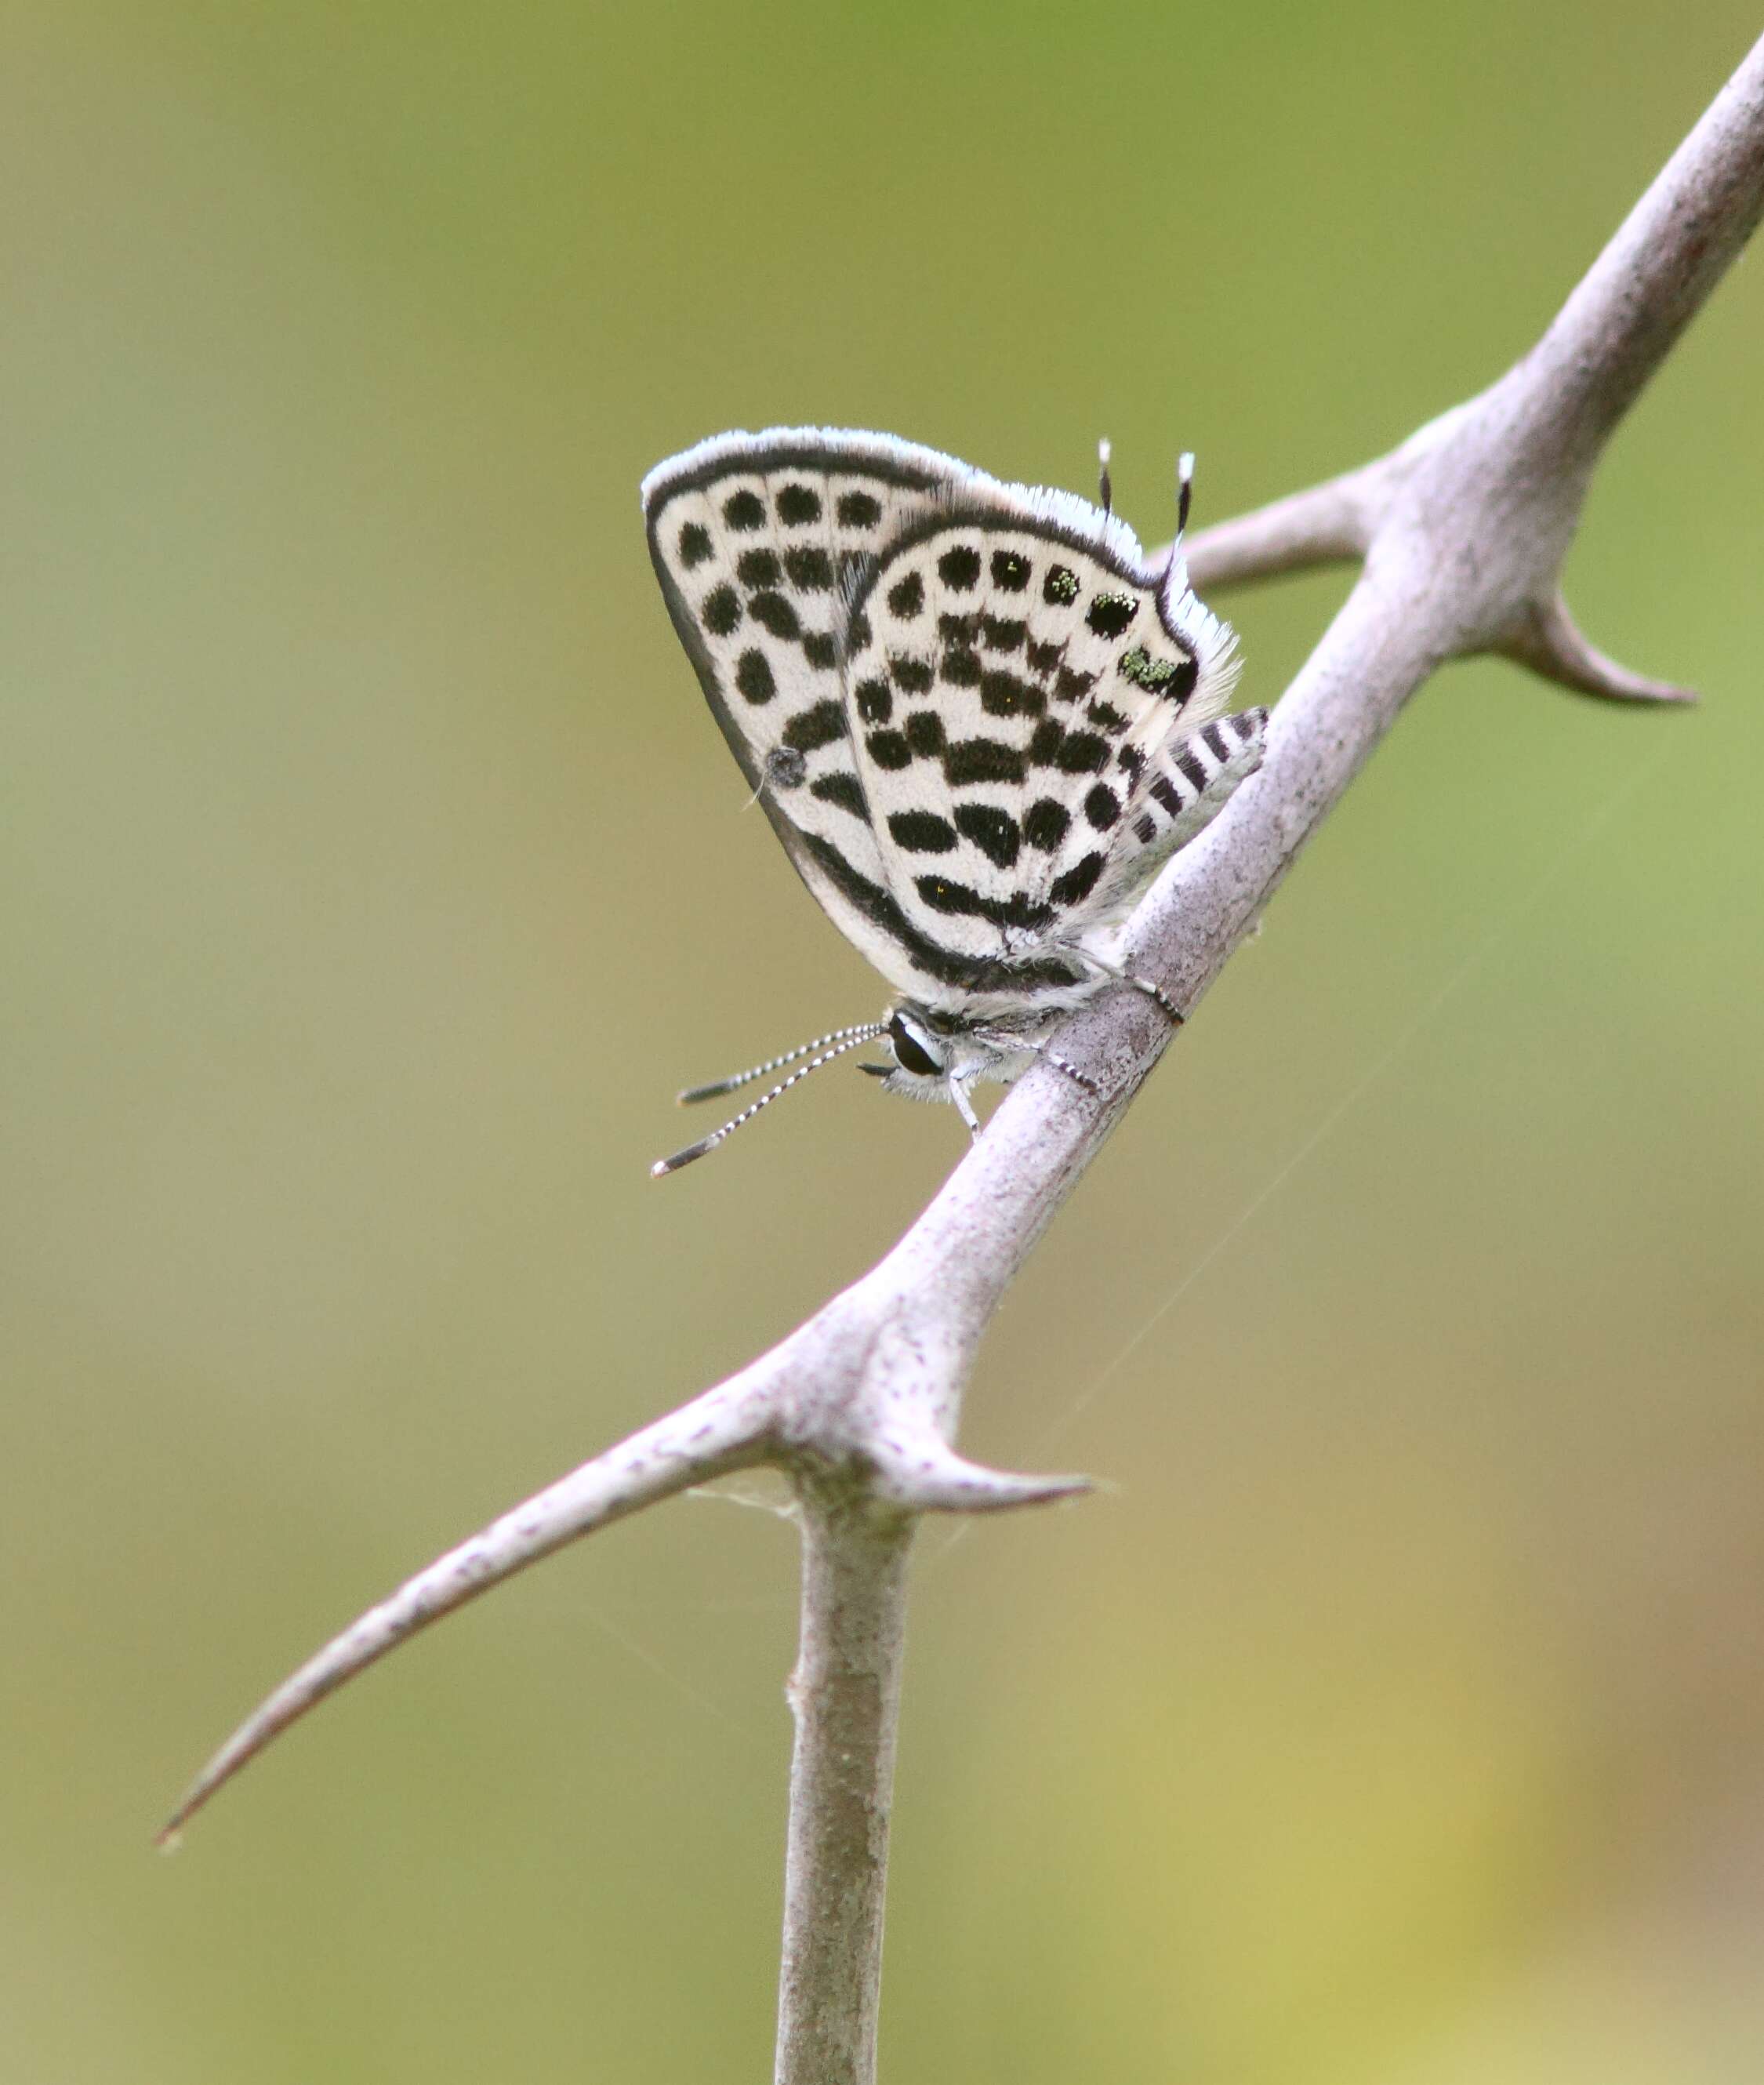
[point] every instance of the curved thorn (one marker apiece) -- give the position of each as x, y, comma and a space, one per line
721, 1431
1548, 639
923, 1473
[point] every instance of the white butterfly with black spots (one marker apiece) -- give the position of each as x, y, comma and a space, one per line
979, 721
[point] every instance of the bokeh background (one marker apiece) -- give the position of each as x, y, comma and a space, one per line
373, 876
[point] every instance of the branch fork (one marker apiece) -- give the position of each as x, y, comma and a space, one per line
1461, 532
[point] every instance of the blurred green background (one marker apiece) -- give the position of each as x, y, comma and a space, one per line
373, 876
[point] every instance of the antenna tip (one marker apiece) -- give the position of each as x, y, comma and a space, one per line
1106, 449
690, 1096
663, 1166
1184, 488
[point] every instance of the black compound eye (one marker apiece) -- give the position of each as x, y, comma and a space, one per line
910, 1053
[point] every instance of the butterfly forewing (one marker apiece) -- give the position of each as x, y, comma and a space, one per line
760, 542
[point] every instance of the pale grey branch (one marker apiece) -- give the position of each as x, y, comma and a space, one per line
845, 1695
1326, 525
1463, 530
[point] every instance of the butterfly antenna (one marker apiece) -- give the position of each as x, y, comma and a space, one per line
1184, 489
719, 1087
1105, 487
853, 1038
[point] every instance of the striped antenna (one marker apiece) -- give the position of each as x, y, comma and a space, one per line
1106, 485
1184, 489
719, 1087
852, 1038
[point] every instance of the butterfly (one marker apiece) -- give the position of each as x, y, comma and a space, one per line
978, 718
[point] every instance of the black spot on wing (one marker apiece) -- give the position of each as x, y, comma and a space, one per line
743, 512
859, 510
925, 734
1083, 753
906, 597
811, 570
1010, 570
819, 726
1059, 589
1003, 633
959, 568
775, 613
1003, 694
889, 749
1046, 823
798, 505
1044, 659
753, 677
961, 668
912, 677
1102, 806
876, 701
943, 894
844, 790
971, 760
1071, 685
694, 544
1157, 677
819, 649
1044, 746
721, 610
757, 568
1076, 885
1110, 614
994, 832
922, 832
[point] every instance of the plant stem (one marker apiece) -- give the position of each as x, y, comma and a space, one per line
845, 1695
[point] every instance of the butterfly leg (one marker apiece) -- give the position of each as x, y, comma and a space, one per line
965, 1107
1152, 990
1015, 1042
1078, 1078
1156, 994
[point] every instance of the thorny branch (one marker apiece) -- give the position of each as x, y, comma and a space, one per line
1462, 532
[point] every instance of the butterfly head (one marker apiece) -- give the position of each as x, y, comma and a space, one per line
939, 1057
923, 1057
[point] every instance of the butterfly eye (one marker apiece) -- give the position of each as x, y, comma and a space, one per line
913, 1049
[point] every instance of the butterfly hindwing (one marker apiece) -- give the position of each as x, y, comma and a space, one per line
1013, 678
